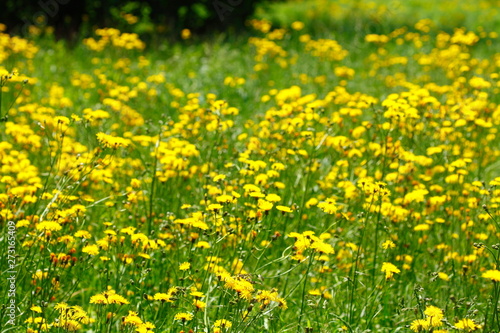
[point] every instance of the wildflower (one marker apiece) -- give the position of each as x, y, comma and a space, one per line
265, 205
284, 209
185, 34
467, 325
108, 297
223, 323
69, 325
184, 266
421, 227
321, 247
83, 234
199, 304
434, 315
492, 274
329, 206
214, 207
132, 319
388, 244
297, 25
196, 294
273, 197
183, 316
109, 141
420, 325
166, 297
389, 270
225, 198
203, 245
416, 196
91, 250
315, 292
146, 327
48, 226
36, 309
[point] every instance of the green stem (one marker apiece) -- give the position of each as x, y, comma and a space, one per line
303, 302
355, 275
153, 184
496, 294
13, 101
377, 225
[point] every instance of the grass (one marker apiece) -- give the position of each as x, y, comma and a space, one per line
317, 173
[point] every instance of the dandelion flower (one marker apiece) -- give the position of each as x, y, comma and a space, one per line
492, 274
223, 323
91, 250
467, 325
36, 308
183, 316
434, 315
420, 325
284, 209
184, 266
108, 297
388, 244
389, 270
48, 226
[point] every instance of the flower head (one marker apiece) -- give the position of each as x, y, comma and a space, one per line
389, 270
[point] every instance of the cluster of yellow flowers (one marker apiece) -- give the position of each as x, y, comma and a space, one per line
113, 37
194, 212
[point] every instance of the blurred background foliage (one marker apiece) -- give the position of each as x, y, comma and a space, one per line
153, 19
77, 18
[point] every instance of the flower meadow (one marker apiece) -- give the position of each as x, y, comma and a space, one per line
287, 182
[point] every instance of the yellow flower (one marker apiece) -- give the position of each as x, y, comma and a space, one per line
199, 304
443, 276
420, 325
108, 297
492, 274
389, 270
196, 294
48, 226
184, 266
297, 25
183, 316
132, 318
329, 206
225, 198
388, 244
83, 234
166, 297
61, 307
273, 197
265, 205
91, 249
214, 207
315, 292
223, 323
284, 209
467, 325
434, 315
203, 245
147, 327
35, 308
109, 141
162, 297
185, 34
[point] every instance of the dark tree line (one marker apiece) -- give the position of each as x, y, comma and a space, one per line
71, 17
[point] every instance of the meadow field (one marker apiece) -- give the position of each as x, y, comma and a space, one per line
333, 168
